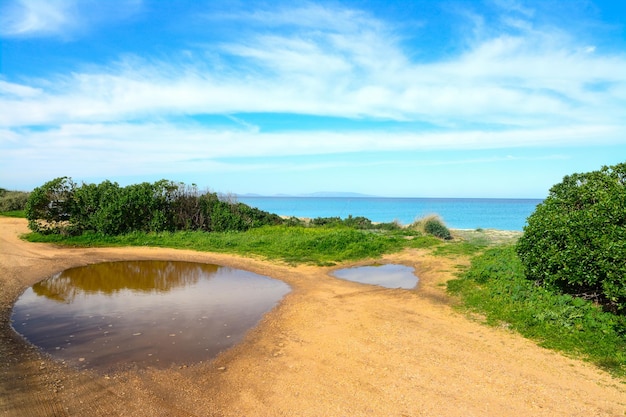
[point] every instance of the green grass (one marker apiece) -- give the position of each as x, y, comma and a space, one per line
291, 244
496, 287
15, 213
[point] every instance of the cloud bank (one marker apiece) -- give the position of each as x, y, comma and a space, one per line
519, 85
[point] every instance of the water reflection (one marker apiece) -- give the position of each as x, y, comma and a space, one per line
389, 275
113, 277
143, 313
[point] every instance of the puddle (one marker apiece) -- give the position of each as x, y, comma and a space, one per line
389, 275
121, 315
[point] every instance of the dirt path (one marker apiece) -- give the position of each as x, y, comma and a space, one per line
331, 348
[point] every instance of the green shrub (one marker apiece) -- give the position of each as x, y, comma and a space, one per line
61, 206
48, 207
12, 200
435, 227
575, 241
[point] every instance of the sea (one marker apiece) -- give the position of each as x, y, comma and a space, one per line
457, 213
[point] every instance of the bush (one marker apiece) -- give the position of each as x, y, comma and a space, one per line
575, 241
435, 227
48, 206
60, 206
12, 200
353, 222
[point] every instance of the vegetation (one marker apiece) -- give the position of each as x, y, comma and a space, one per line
175, 215
573, 245
359, 222
21, 214
62, 207
575, 241
434, 226
291, 244
569, 263
12, 201
495, 286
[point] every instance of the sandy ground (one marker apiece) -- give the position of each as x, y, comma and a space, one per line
331, 348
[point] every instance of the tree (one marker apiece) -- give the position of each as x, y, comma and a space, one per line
575, 241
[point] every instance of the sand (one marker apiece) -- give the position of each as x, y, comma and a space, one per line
330, 348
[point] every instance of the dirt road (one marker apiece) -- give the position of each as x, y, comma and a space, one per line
331, 348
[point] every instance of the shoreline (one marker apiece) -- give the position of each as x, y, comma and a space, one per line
331, 347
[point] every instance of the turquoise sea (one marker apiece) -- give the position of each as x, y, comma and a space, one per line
457, 213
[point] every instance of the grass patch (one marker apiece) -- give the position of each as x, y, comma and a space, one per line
14, 213
495, 286
317, 245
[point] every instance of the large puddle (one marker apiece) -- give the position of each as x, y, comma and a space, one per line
143, 313
389, 275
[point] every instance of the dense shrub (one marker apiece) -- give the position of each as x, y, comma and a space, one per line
354, 222
61, 206
48, 206
575, 241
434, 226
12, 200
358, 222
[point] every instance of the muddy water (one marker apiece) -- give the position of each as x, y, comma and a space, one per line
143, 313
389, 275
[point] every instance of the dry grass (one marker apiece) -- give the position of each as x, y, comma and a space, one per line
419, 224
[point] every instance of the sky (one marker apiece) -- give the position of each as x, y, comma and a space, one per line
422, 98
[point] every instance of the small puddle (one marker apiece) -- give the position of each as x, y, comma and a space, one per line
121, 315
389, 275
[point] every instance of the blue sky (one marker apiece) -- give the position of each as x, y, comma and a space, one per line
423, 98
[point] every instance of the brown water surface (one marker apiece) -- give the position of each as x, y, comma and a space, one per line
143, 313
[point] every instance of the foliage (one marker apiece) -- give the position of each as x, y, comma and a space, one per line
12, 200
292, 244
575, 241
432, 225
61, 206
47, 209
358, 222
495, 285
435, 227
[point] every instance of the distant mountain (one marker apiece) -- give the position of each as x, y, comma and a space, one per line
320, 194
336, 194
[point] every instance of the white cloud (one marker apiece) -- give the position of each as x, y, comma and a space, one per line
18, 90
503, 80
60, 18
531, 89
159, 144
34, 17
97, 150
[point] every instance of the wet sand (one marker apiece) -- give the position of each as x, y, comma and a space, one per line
331, 348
